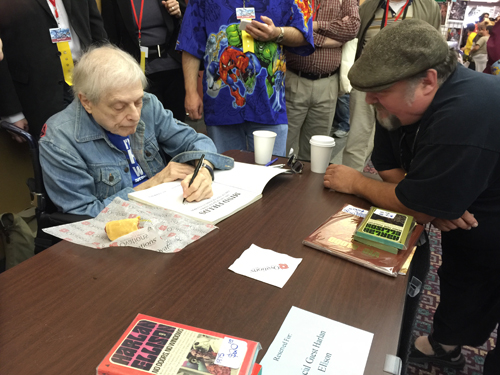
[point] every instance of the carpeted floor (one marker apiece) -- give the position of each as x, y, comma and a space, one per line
429, 300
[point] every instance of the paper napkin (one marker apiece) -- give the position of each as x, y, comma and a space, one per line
266, 265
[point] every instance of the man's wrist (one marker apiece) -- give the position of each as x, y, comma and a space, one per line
281, 35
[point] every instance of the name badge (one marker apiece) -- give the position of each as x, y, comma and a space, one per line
60, 35
248, 13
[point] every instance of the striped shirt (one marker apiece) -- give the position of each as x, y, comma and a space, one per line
329, 14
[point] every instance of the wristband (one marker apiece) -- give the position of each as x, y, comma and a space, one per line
209, 169
281, 36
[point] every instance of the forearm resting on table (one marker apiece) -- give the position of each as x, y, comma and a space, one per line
383, 195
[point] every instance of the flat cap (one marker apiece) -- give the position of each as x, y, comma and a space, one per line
397, 52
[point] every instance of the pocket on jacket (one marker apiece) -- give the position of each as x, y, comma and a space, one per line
19, 75
109, 182
153, 157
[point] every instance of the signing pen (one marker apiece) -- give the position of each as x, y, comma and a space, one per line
196, 170
271, 162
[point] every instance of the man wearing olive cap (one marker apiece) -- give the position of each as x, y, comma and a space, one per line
439, 159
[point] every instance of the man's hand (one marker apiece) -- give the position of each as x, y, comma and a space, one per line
341, 178
193, 105
200, 189
21, 124
173, 8
467, 221
263, 32
1, 50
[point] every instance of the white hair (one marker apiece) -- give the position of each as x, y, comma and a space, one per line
102, 70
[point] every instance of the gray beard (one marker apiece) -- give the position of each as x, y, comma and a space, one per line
389, 122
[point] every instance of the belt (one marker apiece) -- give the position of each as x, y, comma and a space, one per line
312, 76
157, 51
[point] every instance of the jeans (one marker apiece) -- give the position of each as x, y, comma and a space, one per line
240, 136
341, 118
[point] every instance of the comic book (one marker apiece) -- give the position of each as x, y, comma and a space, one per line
156, 346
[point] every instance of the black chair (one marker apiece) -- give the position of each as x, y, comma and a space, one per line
46, 212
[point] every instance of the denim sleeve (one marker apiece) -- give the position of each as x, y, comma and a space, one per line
68, 182
182, 142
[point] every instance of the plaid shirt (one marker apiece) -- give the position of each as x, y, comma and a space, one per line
329, 17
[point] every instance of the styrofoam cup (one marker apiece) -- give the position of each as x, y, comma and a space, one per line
321, 152
263, 141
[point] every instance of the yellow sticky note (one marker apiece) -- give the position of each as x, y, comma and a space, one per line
66, 62
248, 42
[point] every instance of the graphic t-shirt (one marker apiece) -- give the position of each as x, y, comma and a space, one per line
242, 86
123, 144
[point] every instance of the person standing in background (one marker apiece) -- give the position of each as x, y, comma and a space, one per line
244, 61
312, 82
152, 26
375, 15
40, 39
478, 51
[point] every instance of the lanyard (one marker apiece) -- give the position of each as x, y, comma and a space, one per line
53, 2
138, 21
315, 10
403, 9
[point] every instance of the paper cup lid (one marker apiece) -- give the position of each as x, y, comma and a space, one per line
322, 141
264, 133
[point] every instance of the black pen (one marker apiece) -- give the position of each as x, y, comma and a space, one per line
196, 170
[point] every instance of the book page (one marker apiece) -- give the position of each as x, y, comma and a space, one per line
247, 176
225, 201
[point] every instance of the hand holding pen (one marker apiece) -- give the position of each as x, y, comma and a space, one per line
202, 187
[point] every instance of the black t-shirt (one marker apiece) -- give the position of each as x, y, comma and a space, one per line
453, 164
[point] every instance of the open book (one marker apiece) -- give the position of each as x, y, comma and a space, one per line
233, 190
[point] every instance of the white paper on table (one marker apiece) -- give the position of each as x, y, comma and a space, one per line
161, 230
266, 265
311, 344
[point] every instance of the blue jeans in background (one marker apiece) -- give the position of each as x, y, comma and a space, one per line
341, 119
240, 136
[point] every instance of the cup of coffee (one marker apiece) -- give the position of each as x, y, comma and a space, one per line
263, 141
321, 152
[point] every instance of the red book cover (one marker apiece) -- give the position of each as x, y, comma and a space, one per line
257, 369
335, 236
156, 346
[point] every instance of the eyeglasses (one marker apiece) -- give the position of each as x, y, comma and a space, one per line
295, 165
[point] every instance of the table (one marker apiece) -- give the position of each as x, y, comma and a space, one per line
62, 310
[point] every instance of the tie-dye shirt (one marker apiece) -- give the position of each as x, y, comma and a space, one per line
242, 86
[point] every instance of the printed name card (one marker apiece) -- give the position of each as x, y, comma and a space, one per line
311, 344
231, 353
266, 265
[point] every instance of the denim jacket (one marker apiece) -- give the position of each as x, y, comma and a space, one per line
83, 171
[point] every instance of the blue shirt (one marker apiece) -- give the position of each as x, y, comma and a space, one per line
123, 144
238, 86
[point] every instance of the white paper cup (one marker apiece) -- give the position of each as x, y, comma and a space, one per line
263, 141
321, 152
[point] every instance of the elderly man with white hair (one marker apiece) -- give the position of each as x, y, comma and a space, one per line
107, 143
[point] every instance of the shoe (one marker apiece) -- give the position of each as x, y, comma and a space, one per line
453, 359
340, 133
